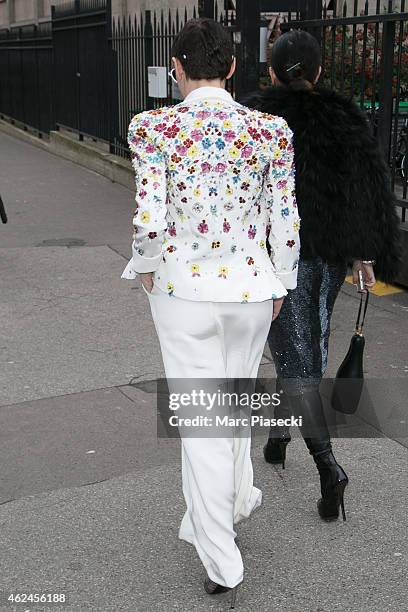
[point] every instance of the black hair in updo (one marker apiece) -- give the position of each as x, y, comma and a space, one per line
296, 58
205, 49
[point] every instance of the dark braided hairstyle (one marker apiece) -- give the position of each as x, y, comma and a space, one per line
205, 49
296, 59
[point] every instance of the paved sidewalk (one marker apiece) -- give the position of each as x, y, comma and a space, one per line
90, 501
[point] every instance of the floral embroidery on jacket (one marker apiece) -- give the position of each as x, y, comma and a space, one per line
216, 179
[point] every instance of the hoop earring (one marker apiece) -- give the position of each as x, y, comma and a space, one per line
172, 76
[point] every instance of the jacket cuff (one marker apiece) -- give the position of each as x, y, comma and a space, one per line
288, 279
129, 273
143, 264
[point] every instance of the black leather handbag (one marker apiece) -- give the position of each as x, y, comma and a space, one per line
349, 381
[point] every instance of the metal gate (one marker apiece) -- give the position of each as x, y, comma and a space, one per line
26, 77
364, 57
84, 74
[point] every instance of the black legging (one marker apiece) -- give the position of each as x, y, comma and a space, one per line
299, 337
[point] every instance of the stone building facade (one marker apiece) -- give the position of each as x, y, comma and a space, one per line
19, 12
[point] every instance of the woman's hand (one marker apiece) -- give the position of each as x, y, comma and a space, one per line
147, 281
368, 274
277, 305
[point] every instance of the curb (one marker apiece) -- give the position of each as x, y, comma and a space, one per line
114, 168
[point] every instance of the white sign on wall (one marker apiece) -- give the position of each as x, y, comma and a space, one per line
157, 81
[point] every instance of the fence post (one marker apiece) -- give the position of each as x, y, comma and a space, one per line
78, 72
148, 45
53, 114
22, 118
112, 85
206, 8
37, 79
247, 38
312, 9
386, 89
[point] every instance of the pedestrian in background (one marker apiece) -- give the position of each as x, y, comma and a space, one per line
348, 213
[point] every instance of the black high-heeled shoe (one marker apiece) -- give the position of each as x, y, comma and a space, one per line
279, 437
333, 481
275, 450
213, 588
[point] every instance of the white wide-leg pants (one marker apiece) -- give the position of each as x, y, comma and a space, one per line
214, 340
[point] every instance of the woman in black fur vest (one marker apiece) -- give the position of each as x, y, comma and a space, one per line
348, 215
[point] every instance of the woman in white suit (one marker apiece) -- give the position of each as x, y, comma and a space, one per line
214, 183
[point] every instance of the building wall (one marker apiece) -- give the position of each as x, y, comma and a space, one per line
30, 11
123, 7
3, 13
26, 10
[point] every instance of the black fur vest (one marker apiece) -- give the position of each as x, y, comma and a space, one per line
346, 205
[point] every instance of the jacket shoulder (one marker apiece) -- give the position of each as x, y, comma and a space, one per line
145, 127
141, 123
268, 120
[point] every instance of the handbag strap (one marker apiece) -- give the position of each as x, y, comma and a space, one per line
359, 326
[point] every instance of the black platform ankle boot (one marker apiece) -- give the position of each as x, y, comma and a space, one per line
279, 437
333, 479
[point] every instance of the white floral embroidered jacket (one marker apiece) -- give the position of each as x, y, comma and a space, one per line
214, 181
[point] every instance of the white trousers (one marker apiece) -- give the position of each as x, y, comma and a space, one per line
214, 340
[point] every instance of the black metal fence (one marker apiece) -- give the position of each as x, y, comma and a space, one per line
61, 73
26, 76
365, 56
84, 71
140, 42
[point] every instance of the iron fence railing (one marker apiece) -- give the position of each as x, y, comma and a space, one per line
26, 76
365, 56
83, 69
142, 41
